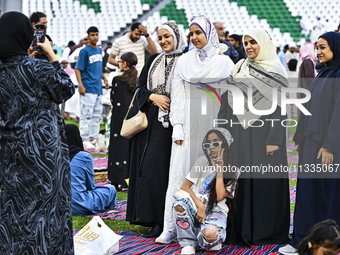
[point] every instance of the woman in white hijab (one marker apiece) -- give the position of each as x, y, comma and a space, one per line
190, 120
263, 199
151, 148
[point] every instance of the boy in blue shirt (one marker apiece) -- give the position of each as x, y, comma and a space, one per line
89, 74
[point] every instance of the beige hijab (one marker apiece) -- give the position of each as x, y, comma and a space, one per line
261, 74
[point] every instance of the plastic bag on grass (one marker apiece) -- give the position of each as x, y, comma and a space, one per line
96, 239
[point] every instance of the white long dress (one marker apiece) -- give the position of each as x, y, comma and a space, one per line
193, 108
186, 109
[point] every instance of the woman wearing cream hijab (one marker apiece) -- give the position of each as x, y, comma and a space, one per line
263, 200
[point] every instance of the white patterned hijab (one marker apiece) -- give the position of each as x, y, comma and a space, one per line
229, 138
213, 46
161, 71
205, 64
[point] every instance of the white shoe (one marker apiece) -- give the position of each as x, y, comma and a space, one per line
188, 250
88, 145
288, 250
216, 247
166, 237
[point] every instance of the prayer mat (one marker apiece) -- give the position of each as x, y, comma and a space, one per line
293, 159
93, 150
99, 163
135, 244
117, 213
292, 146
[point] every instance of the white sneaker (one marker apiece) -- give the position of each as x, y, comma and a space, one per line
188, 250
166, 237
216, 247
88, 145
288, 250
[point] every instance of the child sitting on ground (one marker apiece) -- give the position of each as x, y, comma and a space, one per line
205, 206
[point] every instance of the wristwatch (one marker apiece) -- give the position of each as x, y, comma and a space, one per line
147, 35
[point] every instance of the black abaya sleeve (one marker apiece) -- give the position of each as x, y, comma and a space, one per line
113, 89
144, 93
332, 139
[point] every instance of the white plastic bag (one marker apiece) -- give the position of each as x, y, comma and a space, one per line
96, 239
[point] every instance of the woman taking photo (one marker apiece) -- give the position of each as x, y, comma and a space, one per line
318, 139
203, 64
150, 154
263, 204
35, 207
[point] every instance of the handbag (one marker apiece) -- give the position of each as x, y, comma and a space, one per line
135, 124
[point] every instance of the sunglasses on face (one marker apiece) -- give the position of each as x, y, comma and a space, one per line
213, 144
64, 63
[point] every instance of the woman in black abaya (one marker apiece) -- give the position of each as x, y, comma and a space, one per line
263, 200
318, 137
151, 148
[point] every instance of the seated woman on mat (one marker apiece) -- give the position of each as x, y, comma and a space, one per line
86, 197
205, 205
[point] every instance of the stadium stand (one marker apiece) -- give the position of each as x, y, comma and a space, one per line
68, 19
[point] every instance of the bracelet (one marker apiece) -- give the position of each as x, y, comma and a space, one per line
105, 80
147, 35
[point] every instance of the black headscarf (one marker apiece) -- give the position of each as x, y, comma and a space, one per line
74, 141
333, 39
16, 35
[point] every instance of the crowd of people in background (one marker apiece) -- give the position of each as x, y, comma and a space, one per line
46, 176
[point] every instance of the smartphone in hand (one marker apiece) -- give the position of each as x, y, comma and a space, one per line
39, 36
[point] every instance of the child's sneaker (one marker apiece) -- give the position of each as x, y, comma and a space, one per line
188, 250
216, 247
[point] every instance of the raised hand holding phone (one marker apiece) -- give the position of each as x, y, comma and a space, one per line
39, 36
46, 46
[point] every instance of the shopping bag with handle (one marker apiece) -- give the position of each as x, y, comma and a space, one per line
96, 239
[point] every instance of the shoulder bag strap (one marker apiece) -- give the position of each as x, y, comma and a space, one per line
131, 103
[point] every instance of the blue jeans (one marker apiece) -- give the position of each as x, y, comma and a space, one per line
211, 233
91, 108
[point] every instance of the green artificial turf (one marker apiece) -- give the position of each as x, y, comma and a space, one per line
98, 155
116, 225
292, 130
122, 195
